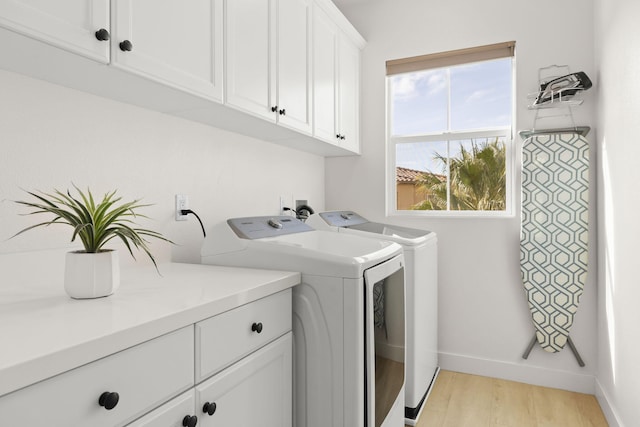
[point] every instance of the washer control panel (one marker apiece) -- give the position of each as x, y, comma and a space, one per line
342, 218
258, 227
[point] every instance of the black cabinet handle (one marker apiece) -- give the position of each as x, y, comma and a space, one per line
190, 421
274, 108
126, 46
337, 136
257, 327
102, 35
343, 137
209, 408
283, 112
109, 400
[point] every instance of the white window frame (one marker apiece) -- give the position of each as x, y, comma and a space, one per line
393, 140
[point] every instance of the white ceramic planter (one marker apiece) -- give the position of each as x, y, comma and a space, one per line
91, 275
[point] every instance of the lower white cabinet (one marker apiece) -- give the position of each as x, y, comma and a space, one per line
256, 391
154, 384
109, 392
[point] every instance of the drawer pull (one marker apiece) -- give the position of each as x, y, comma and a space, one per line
209, 408
257, 327
102, 35
190, 421
109, 400
126, 46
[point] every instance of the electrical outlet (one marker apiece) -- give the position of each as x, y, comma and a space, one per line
286, 202
300, 203
182, 202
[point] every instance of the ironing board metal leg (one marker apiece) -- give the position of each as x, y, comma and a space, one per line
530, 347
574, 350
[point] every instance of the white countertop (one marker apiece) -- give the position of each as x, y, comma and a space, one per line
43, 332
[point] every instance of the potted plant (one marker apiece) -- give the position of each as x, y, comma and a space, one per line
93, 272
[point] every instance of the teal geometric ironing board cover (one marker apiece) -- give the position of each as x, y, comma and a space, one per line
554, 232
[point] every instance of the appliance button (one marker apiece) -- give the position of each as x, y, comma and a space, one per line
275, 223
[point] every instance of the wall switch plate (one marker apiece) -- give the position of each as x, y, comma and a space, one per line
182, 202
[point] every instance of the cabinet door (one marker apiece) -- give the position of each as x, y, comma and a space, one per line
349, 95
256, 391
68, 24
294, 64
174, 42
325, 39
250, 61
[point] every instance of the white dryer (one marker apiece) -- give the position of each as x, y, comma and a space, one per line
339, 379
421, 275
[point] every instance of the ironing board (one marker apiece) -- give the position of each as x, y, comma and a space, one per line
554, 233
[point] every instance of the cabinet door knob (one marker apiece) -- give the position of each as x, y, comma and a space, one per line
274, 108
338, 136
190, 421
209, 408
109, 400
343, 137
283, 112
126, 46
102, 35
257, 327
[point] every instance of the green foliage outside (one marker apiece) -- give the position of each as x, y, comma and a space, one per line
477, 180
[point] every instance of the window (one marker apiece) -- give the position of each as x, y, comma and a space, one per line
449, 132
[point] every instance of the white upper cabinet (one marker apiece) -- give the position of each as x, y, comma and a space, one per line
336, 84
174, 42
73, 25
268, 64
349, 95
284, 71
250, 63
294, 64
325, 89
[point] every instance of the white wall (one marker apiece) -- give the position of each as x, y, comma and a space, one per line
617, 47
484, 319
51, 137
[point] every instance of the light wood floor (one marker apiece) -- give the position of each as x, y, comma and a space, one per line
461, 400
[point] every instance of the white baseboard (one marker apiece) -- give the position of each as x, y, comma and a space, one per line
518, 372
604, 401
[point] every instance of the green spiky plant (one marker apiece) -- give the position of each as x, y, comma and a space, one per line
95, 224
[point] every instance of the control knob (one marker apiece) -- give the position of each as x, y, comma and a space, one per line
275, 223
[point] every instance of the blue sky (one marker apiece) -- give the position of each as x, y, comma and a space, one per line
480, 98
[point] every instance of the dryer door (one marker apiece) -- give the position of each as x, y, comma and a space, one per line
384, 343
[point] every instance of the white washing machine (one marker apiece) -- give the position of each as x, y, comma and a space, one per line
421, 275
339, 378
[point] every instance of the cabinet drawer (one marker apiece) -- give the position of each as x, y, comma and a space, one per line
226, 338
171, 414
144, 377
